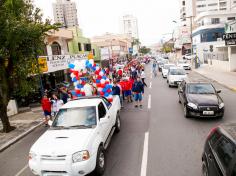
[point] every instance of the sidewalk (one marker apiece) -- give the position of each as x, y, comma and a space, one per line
24, 123
227, 79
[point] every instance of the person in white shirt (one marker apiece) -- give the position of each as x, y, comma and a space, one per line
88, 89
143, 76
56, 104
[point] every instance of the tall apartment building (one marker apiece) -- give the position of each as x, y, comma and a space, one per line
65, 12
130, 26
214, 5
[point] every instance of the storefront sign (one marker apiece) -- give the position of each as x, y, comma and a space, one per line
49, 64
230, 38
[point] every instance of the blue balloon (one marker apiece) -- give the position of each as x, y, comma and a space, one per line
106, 94
104, 77
98, 81
104, 90
90, 65
79, 95
107, 86
71, 66
94, 68
79, 86
74, 79
73, 93
87, 62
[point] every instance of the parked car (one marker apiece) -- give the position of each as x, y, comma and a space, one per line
175, 76
219, 155
189, 56
165, 69
200, 99
184, 64
77, 140
161, 64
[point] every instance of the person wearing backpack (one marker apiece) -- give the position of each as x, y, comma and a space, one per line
138, 90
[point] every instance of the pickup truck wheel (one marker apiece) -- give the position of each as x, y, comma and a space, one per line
118, 123
101, 162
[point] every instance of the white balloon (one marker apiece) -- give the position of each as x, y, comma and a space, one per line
82, 89
97, 68
101, 73
103, 81
108, 80
75, 84
110, 96
99, 89
94, 84
91, 61
72, 75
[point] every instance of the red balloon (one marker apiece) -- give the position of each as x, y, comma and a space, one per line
103, 85
82, 82
83, 93
108, 90
76, 73
107, 82
101, 93
98, 84
99, 77
77, 91
110, 99
71, 70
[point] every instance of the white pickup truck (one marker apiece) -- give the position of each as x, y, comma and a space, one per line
75, 143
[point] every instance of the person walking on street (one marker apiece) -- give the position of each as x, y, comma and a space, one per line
64, 95
88, 89
154, 68
46, 106
116, 90
56, 104
138, 89
143, 76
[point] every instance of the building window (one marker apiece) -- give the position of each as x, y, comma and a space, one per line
217, 35
94, 53
231, 18
87, 47
79, 46
215, 21
183, 3
56, 48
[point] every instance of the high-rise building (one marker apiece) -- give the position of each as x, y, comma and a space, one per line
130, 26
187, 9
214, 5
65, 12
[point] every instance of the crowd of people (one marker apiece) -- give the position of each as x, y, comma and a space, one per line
127, 82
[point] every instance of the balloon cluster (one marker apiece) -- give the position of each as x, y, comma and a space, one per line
79, 70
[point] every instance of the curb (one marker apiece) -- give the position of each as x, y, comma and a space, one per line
230, 88
16, 139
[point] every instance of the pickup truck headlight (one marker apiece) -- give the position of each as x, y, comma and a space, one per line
32, 156
221, 105
192, 105
80, 156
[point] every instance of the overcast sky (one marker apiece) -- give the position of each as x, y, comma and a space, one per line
97, 17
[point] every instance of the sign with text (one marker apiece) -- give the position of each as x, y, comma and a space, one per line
54, 63
230, 38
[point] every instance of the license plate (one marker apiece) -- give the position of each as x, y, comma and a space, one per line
208, 112
53, 174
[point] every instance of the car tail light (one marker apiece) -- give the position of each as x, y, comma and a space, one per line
213, 130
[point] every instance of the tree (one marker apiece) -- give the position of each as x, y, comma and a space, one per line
168, 47
22, 35
144, 50
135, 42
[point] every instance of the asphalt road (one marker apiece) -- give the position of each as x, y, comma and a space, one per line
154, 141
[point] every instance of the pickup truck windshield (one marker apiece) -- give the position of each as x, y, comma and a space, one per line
76, 117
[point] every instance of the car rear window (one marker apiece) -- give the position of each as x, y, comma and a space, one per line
177, 72
225, 151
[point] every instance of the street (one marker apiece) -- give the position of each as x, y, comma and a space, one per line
173, 144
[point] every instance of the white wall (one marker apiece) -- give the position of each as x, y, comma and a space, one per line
232, 58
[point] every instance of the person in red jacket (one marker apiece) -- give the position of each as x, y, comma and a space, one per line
46, 106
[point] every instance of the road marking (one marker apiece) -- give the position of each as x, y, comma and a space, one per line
150, 85
22, 170
149, 101
145, 155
